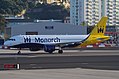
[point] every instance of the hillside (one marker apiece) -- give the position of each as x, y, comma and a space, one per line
32, 10
12, 7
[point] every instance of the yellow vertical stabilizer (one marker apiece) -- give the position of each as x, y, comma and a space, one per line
97, 34
100, 28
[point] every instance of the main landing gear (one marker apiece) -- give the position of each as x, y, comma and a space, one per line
60, 51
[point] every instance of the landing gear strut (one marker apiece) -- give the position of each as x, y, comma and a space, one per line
19, 52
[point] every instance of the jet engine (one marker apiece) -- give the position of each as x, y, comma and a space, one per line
49, 48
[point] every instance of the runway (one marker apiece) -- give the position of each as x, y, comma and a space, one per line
72, 64
73, 73
91, 59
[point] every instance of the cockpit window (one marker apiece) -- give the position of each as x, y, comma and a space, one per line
11, 39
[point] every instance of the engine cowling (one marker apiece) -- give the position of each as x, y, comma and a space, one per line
49, 48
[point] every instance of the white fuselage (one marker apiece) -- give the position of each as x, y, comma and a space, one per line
45, 39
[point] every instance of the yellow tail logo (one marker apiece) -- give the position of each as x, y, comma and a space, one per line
100, 28
97, 34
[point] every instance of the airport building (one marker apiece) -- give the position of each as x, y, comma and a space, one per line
44, 28
90, 11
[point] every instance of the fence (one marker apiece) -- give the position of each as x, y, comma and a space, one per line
115, 38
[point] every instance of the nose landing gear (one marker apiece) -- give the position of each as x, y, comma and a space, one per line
19, 52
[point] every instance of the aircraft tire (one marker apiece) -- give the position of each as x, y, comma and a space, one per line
60, 51
19, 52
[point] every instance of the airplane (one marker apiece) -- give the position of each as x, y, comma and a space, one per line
49, 42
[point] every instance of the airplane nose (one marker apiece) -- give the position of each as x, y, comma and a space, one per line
6, 43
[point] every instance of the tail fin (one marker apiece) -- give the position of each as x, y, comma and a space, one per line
100, 28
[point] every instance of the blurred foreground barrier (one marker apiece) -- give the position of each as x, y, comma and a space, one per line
9, 66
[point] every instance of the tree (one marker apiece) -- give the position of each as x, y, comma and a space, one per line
12, 7
83, 23
2, 24
47, 11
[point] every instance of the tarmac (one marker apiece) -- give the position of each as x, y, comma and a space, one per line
72, 64
75, 73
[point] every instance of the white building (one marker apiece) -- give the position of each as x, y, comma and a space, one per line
110, 8
90, 11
